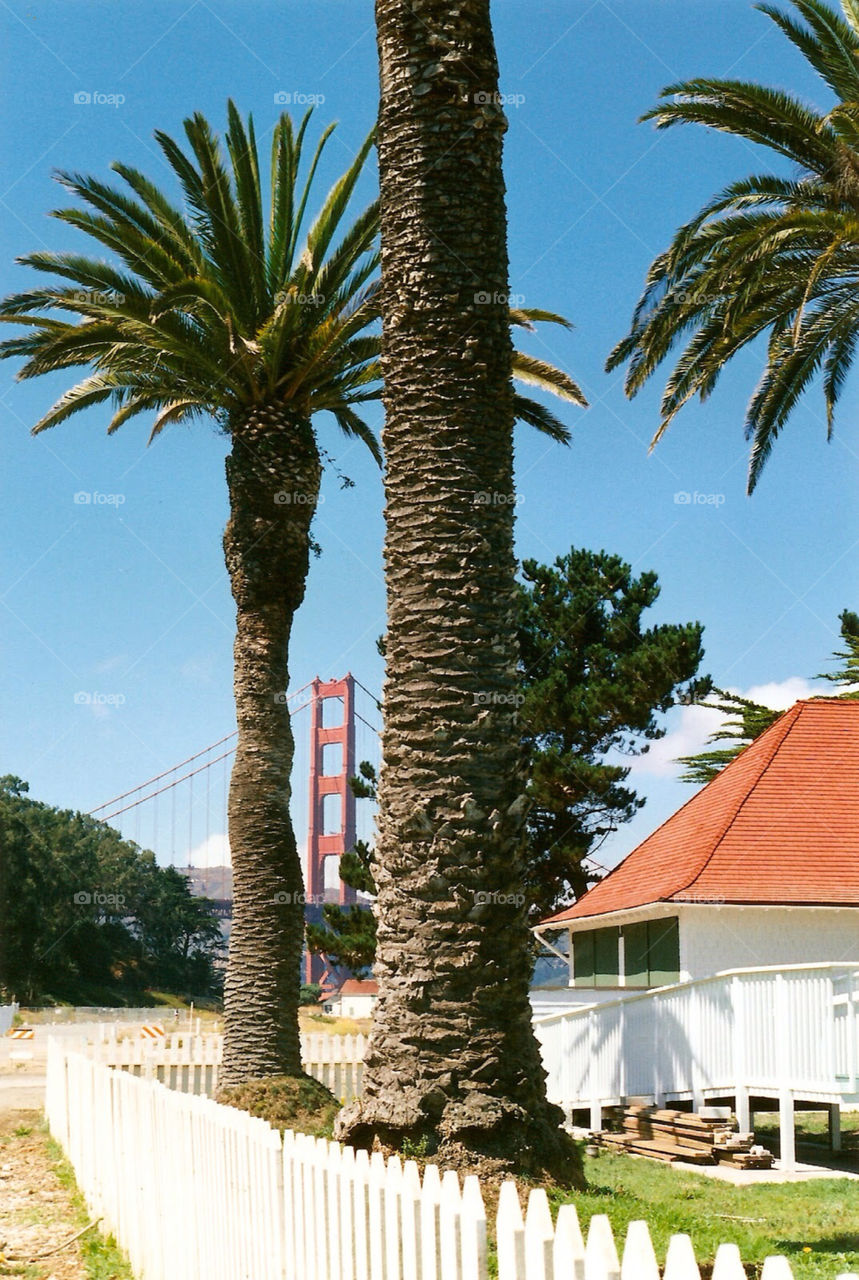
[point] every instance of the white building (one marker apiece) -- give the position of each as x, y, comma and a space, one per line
759, 868
354, 999
719, 962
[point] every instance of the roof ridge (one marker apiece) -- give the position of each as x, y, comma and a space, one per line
796, 712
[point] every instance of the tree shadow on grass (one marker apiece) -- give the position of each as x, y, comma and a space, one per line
827, 1246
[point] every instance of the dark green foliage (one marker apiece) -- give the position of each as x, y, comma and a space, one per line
86, 914
309, 993
593, 681
846, 675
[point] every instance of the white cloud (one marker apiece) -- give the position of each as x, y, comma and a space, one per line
213, 852
690, 727
782, 694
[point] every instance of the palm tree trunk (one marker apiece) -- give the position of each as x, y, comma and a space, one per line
273, 473
453, 1056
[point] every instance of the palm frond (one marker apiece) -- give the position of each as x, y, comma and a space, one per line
539, 373
768, 254
537, 415
766, 116
351, 424
221, 305
529, 317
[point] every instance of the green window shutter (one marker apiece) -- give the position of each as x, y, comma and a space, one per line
606, 957
583, 958
635, 964
663, 946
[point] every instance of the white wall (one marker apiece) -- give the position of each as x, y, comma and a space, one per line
713, 938
547, 1000
355, 1006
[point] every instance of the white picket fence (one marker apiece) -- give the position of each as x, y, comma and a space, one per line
190, 1063
190, 1188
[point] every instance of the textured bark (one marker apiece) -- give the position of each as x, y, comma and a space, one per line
453, 1055
273, 473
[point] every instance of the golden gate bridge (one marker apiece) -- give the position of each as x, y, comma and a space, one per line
180, 813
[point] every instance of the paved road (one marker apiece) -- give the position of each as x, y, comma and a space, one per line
22, 1092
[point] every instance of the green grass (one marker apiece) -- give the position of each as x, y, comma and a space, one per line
811, 1127
814, 1224
102, 1257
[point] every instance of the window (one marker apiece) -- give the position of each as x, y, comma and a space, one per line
595, 958
651, 951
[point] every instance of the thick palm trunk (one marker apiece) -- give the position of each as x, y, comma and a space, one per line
453, 1056
273, 473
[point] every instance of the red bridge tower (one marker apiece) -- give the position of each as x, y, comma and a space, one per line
330, 825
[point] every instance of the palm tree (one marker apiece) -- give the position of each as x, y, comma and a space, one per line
453, 1061
776, 253
239, 314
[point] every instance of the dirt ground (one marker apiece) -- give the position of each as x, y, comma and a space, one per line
36, 1210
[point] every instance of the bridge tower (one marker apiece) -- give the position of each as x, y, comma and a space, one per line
330, 825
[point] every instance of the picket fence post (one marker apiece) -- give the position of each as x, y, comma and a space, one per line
601, 1260
639, 1256
510, 1233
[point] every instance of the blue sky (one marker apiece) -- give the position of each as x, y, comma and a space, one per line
126, 596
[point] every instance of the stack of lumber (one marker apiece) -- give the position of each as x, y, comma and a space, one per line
683, 1135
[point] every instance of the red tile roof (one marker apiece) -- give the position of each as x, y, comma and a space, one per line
354, 987
780, 824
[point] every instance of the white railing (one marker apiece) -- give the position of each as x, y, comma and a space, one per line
190, 1188
190, 1063
7, 1017
770, 1031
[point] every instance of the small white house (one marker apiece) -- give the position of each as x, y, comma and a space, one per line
354, 999
760, 867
